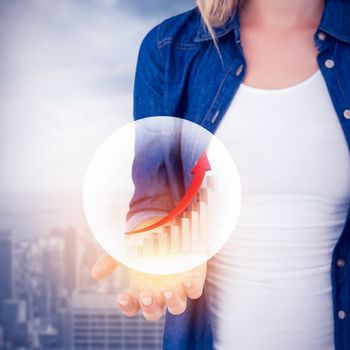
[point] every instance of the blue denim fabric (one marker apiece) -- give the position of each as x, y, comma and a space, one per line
179, 73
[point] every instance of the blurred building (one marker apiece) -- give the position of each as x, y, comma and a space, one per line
49, 300
97, 324
2, 344
6, 268
48, 338
15, 326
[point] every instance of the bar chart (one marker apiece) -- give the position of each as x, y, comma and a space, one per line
186, 234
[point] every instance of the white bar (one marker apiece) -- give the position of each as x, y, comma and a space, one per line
162, 243
167, 232
186, 235
203, 225
210, 216
211, 182
134, 244
139, 250
148, 247
155, 243
195, 230
203, 195
175, 240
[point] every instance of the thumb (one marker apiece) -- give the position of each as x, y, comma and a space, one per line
104, 267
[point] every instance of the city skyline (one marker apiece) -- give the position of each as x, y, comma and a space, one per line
48, 299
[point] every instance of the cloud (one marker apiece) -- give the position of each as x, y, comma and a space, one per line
67, 70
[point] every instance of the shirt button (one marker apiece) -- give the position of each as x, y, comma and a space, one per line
215, 116
321, 36
329, 63
340, 262
239, 69
341, 314
346, 114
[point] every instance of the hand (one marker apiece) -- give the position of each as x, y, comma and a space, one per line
152, 293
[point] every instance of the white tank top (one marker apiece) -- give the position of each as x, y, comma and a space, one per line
269, 288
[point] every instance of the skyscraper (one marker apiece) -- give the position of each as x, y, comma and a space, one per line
70, 250
16, 327
97, 324
6, 275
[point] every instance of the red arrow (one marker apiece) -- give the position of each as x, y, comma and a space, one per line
198, 171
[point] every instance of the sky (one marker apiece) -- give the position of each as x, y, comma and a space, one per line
67, 70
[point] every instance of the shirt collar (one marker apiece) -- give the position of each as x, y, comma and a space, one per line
335, 21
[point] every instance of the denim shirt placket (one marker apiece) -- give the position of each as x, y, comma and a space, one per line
229, 84
327, 47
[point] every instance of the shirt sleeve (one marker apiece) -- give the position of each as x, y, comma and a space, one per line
149, 78
152, 195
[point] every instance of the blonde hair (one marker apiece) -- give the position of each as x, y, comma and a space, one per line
215, 13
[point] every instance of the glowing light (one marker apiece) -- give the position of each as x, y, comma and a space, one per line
191, 238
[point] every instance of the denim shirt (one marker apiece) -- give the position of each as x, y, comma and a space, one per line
180, 73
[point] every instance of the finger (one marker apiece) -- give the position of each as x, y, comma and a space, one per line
104, 267
152, 306
193, 285
128, 304
175, 300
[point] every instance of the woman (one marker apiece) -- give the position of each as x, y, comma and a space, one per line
271, 78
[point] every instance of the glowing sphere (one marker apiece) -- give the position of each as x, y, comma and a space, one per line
137, 157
